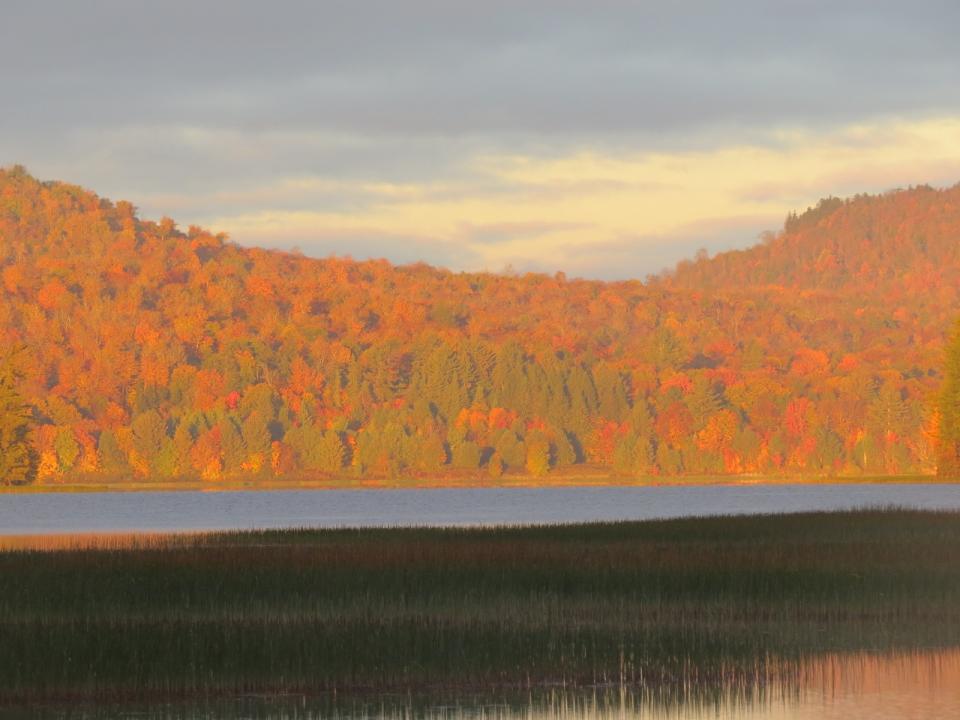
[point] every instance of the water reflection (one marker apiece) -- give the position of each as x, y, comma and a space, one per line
921, 684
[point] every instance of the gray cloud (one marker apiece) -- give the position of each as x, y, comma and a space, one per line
449, 67
148, 100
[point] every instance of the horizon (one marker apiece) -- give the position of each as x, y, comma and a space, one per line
607, 143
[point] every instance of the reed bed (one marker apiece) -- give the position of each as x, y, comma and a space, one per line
647, 604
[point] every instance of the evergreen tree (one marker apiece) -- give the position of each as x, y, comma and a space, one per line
583, 399
702, 401
429, 453
509, 378
611, 392
948, 461
259, 400
18, 461
165, 464
67, 449
563, 449
664, 348
256, 435
305, 442
669, 460
495, 466
633, 454
889, 413
511, 450
828, 450
181, 446
746, 444
329, 454
465, 454
149, 435
232, 446
112, 458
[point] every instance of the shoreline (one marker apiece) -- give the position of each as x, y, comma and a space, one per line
568, 481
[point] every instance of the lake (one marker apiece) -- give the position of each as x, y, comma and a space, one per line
193, 510
867, 686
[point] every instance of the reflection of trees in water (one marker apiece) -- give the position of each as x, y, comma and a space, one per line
834, 686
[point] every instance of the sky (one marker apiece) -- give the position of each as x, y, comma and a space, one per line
604, 139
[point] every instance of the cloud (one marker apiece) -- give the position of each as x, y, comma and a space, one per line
589, 137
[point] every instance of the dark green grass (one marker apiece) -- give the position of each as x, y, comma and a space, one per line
399, 609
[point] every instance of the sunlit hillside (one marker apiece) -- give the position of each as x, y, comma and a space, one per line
159, 352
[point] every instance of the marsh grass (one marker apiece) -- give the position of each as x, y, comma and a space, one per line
645, 604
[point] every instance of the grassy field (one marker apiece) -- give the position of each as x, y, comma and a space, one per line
638, 604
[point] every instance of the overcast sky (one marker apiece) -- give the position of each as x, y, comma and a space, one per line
606, 139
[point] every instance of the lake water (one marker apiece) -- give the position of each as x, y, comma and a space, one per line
172, 511
860, 686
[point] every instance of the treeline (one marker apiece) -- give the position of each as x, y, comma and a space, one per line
164, 353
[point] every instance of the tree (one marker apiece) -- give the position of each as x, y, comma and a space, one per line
67, 449
207, 455
256, 443
702, 401
538, 454
112, 458
948, 461
465, 454
149, 436
633, 454
329, 457
231, 445
18, 461
495, 466
511, 450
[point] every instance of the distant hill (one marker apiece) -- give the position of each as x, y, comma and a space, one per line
906, 240
155, 352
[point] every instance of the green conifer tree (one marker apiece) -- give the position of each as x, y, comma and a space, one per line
465, 454
182, 445
702, 401
329, 455
149, 436
67, 449
948, 450
231, 443
112, 458
18, 461
256, 435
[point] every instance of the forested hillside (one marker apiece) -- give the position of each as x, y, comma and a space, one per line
158, 352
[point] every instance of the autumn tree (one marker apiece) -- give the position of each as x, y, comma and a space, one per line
538, 454
18, 462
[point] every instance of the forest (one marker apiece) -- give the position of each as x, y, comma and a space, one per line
144, 350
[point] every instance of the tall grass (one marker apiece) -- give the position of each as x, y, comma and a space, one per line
633, 604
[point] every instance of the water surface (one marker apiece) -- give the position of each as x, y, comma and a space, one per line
894, 686
194, 510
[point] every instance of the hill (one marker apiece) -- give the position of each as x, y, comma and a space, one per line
162, 353
901, 242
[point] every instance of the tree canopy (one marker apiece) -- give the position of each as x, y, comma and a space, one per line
161, 352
